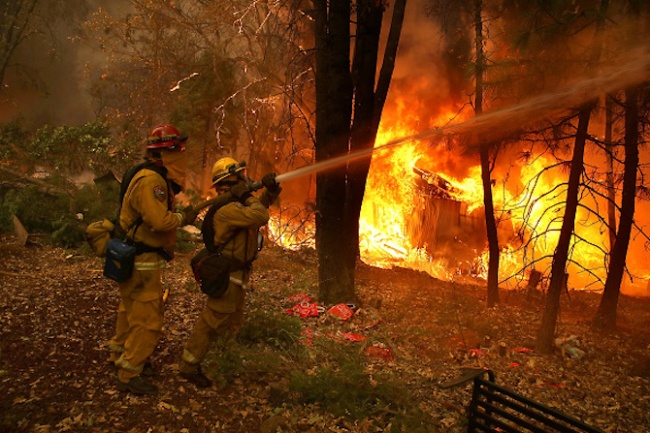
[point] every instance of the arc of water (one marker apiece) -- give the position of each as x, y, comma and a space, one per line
503, 121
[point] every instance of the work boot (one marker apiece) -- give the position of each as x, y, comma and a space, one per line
148, 370
138, 386
197, 377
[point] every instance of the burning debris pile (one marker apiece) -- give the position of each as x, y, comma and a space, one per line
433, 185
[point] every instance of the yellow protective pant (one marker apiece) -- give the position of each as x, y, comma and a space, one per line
116, 344
139, 323
220, 316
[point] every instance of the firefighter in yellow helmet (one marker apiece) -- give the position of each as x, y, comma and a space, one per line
235, 226
148, 217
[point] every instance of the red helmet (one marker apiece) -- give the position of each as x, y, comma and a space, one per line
166, 137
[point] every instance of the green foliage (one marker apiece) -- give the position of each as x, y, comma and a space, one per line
12, 138
267, 340
61, 217
67, 232
97, 201
341, 384
72, 149
230, 361
194, 105
278, 330
46, 217
184, 242
345, 389
5, 216
225, 363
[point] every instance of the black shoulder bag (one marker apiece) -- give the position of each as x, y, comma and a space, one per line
211, 269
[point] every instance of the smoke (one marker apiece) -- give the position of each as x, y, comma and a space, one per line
46, 83
424, 81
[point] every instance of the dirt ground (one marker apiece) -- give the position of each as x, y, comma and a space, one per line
57, 311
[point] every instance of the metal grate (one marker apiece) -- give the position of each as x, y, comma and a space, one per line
497, 409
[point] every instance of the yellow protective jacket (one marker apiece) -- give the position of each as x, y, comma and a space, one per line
244, 221
148, 197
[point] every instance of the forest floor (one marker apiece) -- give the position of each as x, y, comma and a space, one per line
287, 374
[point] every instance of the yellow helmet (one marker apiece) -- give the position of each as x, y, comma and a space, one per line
224, 168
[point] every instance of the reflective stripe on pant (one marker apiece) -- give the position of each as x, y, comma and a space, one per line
220, 316
142, 299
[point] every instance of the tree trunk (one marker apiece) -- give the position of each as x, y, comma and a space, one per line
364, 71
605, 317
388, 63
339, 193
546, 333
486, 168
369, 103
333, 113
611, 191
491, 227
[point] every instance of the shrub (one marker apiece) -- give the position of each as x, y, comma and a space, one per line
72, 148
38, 219
263, 326
345, 389
97, 201
12, 138
61, 217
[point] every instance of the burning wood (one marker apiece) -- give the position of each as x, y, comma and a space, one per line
433, 185
391, 249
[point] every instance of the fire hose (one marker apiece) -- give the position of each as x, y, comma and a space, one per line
226, 197
220, 200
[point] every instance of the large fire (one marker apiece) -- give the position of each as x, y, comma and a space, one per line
423, 209
442, 233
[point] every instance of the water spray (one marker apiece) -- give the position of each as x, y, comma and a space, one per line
503, 121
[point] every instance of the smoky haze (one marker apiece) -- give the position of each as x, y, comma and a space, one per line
46, 81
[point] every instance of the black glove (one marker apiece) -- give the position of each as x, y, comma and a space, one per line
189, 215
240, 191
271, 184
273, 189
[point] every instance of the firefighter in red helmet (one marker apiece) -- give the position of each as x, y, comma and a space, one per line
234, 231
148, 217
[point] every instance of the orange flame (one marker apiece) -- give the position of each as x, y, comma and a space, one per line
293, 232
417, 182
529, 199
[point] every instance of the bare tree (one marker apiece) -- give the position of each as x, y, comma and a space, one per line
486, 163
15, 18
546, 334
228, 72
605, 317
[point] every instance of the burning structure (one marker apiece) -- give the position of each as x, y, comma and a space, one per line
442, 225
